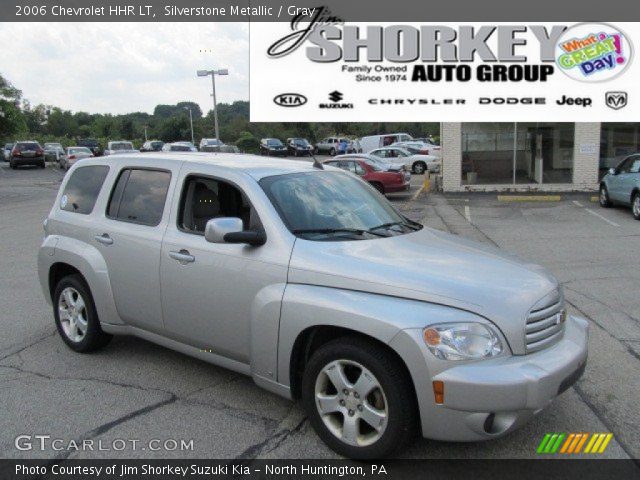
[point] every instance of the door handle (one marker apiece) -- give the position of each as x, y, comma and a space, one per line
183, 256
104, 239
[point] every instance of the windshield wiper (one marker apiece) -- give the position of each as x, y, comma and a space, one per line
356, 231
407, 224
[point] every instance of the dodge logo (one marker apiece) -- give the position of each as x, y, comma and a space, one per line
290, 100
616, 100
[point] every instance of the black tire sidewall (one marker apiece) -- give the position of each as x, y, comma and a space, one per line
402, 422
636, 195
94, 337
606, 191
419, 165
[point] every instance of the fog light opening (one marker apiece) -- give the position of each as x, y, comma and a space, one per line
438, 391
488, 422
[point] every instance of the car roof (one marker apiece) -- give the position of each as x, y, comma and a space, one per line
255, 166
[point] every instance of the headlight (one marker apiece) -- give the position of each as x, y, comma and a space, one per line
462, 341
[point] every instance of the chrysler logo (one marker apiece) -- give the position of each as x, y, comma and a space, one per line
616, 100
290, 100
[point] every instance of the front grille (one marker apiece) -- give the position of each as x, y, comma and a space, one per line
545, 324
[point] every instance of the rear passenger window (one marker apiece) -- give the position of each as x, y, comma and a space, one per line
82, 189
139, 196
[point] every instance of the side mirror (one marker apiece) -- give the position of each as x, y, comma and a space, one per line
230, 230
612, 171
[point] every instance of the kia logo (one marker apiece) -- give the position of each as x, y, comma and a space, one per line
290, 100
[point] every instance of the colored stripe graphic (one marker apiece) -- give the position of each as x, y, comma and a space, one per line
572, 443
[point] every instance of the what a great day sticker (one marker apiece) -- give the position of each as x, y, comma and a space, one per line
593, 52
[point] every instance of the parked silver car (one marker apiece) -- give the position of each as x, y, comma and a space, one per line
621, 185
72, 155
309, 281
119, 147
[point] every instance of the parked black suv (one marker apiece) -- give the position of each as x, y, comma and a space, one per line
92, 144
27, 153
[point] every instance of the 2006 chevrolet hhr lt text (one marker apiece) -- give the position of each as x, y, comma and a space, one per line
311, 282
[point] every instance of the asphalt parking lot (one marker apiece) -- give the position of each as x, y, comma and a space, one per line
136, 390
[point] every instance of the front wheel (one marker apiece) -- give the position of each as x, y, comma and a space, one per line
604, 197
76, 317
359, 399
378, 187
635, 206
419, 168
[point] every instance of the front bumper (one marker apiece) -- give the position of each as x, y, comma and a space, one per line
402, 187
28, 160
490, 398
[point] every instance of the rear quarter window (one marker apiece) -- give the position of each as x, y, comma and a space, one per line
139, 196
82, 189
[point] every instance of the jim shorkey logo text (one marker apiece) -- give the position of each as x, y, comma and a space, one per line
443, 53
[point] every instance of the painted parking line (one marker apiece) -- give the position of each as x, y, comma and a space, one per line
529, 198
467, 213
596, 214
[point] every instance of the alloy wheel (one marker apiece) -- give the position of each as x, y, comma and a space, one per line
72, 312
603, 196
636, 205
351, 402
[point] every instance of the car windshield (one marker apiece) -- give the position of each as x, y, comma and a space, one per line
331, 205
89, 142
180, 147
274, 142
79, 150
212, 141
300, 141
122, 146
53, 146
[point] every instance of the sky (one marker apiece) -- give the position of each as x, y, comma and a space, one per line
124, 67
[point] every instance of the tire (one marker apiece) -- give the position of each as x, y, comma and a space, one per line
419, 168
635, 205
390, 400
603, 198
69, 291
41, 164
332, 152
378, 186
12, 165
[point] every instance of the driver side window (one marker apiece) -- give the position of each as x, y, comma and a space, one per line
206, 198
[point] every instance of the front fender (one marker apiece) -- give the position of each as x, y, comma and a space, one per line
378, 316
89, 262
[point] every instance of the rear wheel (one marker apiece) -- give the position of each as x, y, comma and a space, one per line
41, 165
76, 317
359, 399
332, 152
12, 165
419, 168
604, 197
635, 206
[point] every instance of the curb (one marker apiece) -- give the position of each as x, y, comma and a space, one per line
529, 198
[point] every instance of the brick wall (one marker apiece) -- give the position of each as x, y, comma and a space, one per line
586, 156
451, 142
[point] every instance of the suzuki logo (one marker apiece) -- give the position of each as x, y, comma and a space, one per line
290, 99
336, 96
616, 100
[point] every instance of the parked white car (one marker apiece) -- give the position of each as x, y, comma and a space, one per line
377, 141
401, 156
179, 147
420, 148
119, 147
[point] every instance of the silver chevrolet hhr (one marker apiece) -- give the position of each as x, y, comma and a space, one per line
309, 281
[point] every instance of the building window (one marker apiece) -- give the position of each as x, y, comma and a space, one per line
517, 153
617, 141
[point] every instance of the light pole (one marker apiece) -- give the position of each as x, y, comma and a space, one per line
213, 73
190, 120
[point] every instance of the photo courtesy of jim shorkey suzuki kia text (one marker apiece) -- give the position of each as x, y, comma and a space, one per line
349, 239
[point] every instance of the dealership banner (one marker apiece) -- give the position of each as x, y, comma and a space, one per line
318, 68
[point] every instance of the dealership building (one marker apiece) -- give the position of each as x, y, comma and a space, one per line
532, 156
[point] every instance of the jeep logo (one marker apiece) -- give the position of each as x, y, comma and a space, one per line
616, 100
290, 100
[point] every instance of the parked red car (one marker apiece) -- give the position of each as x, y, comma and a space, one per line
384, 180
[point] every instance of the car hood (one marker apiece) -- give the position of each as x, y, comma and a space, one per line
430, 266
